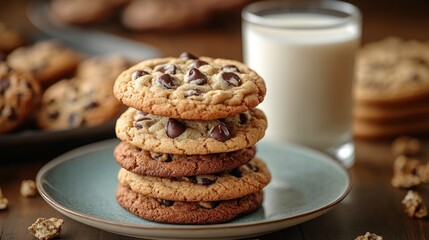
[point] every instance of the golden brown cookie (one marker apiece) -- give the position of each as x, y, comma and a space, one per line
392, 71
83, 11
190, 88
102, 68
371, 129
47, 60
166, 211
389, 112
239, 182
70, 104
19, 96
177, 136
143, 162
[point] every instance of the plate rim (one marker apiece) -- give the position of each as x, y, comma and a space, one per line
97, 146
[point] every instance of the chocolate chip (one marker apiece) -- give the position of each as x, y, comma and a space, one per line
162, 157
198, 63
236, 172
420, 61
167, 68
193, 92
53, 115
167, 203
4, 85
138, 73
186, 55
230, 68
166, 80
91, 105
243, 118
51, 101
231, 79
195, 76
220, 132
175, 128
139, 123
206, 179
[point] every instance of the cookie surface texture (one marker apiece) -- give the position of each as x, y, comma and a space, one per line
174, 136
19, 96
69, 104
244, 180
190, 88
142, 162
46, 61
392, 71
186, 213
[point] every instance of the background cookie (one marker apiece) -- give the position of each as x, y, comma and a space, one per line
19, 95
370, 129
190, 88
69, 104
102, 68
47, 61
186, 213
384, 113
163, 14
392, 71
174, 136
241, 181
83, 11
142, 162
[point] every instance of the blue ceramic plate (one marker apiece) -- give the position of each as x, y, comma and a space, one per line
305, 184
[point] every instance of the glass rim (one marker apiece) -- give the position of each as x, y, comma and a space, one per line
252, 13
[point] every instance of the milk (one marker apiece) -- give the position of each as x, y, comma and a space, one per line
309, 77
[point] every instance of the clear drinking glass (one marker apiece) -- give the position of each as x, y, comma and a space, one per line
305, 51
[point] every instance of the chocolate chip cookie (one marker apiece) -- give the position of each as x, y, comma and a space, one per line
143, 162
238, 182
83, 11
46, 60
69, 104
190, 87
392, 71
166, 211
102, 68
177, 136
19, 96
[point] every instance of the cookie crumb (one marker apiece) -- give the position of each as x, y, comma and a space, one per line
28, 188
423, 173
414, 206
405, 172
369, 236
3, 201
45, 229
406, 146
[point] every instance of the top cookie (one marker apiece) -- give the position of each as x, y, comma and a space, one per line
392, 71
190, 88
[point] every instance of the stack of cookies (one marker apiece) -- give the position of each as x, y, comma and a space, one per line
392, 90
187, 152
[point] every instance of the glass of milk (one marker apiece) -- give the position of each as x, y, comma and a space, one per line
305, 51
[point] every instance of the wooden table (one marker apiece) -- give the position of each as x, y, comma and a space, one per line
373, 204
